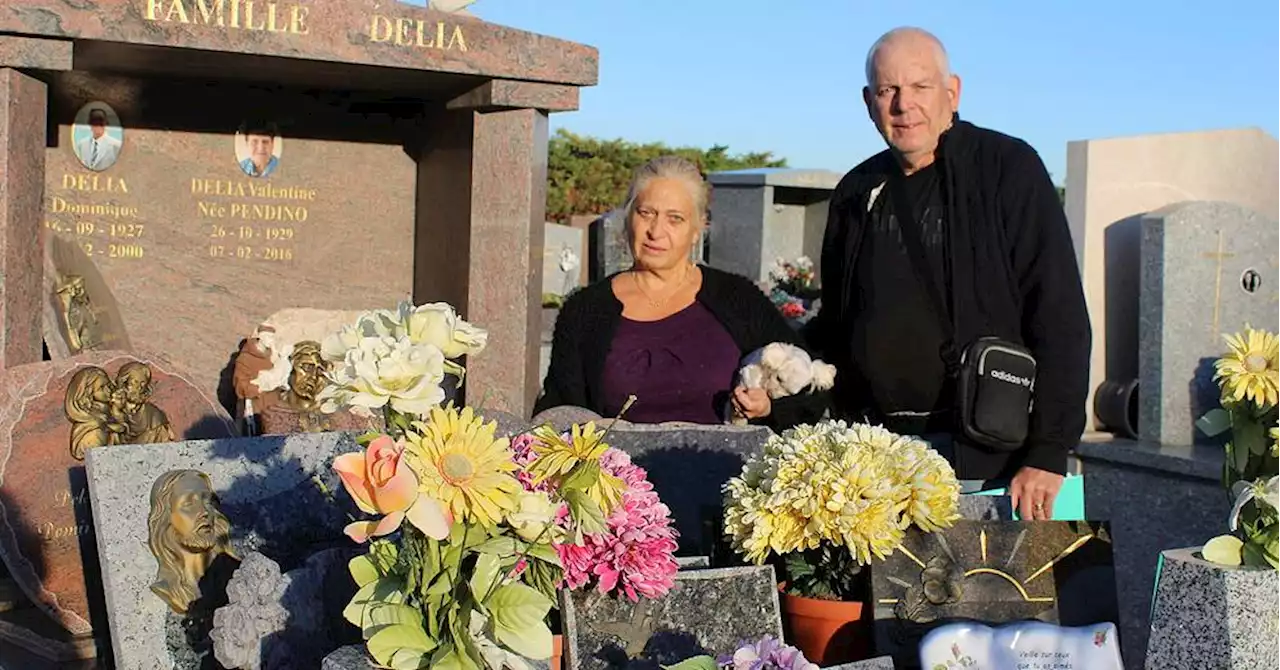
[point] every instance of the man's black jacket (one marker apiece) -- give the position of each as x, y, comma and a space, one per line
1013, 275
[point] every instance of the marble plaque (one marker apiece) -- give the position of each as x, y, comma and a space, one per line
280, 495
706, 612
46, 531
992, 572
225, 202
1021, 646
80, 312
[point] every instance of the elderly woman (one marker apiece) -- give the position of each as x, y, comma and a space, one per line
668, 331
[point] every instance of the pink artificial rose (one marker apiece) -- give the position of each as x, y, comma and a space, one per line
380, 483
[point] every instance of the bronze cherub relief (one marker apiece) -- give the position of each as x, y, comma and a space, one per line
105, 412
78, 316
186, 533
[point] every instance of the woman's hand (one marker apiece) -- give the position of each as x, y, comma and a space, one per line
751, 403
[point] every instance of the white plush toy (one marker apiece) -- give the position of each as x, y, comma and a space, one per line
782, 370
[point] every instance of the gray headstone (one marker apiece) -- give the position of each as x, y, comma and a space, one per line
759, 215
1208, 269
607, 244
564, 253
267, 488
992, 572
1210, 616
706, 612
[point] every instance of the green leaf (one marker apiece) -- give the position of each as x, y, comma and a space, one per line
519, 620
409, 659
1215, 422
485, 574
500, 546
363, 570
585, 512
392, 639
582, 477
694, 663
383, 591
448, 658
1223, 550
546, 553
394, 614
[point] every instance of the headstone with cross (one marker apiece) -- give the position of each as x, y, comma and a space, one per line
1208, 270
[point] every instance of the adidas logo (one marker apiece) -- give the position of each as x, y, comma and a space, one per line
1011, 378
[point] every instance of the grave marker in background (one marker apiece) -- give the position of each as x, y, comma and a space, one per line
1208, 269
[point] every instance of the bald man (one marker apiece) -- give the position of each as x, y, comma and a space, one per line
974, 213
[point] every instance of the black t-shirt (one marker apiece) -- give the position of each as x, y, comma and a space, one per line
896, 337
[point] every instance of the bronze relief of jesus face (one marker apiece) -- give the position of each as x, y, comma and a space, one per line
186, 533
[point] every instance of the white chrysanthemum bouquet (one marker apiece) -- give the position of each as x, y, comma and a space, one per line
398, 358
829, 498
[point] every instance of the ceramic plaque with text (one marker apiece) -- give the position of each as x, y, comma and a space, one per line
1021, 646
992, 572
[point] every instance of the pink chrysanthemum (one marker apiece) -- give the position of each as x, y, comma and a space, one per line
636, 556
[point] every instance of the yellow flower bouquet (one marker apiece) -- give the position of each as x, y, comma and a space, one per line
1249, 378
830, 498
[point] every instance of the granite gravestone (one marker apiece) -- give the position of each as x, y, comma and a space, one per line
563, 255
993, 572
51, 415
706, 612
1021, 646
1208, 269
316, 139
80, 312
607, 245
687, 464
1210, 616
760, 215
282, 499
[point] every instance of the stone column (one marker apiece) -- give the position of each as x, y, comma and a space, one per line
23, 107
482, 181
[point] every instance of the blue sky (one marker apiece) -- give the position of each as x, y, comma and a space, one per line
786, 76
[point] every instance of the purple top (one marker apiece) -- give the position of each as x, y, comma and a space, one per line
679, 368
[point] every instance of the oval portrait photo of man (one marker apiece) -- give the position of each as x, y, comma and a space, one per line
258, 147
96, 136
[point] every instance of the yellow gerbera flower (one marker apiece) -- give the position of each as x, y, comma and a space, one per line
557, 456
460, 463
1250, 370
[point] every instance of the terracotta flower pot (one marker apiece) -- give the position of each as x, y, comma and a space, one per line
827, 632
557, 648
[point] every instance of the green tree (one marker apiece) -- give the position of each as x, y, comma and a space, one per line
586, 175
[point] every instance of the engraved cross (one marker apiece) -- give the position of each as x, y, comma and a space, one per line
1218, 256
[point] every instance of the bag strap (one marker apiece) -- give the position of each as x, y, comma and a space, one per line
910, 226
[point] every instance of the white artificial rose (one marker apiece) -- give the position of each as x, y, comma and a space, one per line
468, 340
377, 323
438, 324
534, 512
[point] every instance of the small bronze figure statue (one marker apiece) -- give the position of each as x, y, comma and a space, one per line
103, 412
78, 316
306, 378
186, 533
295, 408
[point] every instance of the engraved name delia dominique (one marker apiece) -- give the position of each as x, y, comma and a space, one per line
291, 18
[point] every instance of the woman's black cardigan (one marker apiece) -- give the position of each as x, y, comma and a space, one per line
589, 318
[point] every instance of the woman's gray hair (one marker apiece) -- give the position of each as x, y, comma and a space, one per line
669, 167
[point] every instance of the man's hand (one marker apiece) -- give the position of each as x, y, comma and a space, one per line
1033, 492
751, 403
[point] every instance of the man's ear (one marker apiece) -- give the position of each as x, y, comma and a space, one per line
868, 99
953, 92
